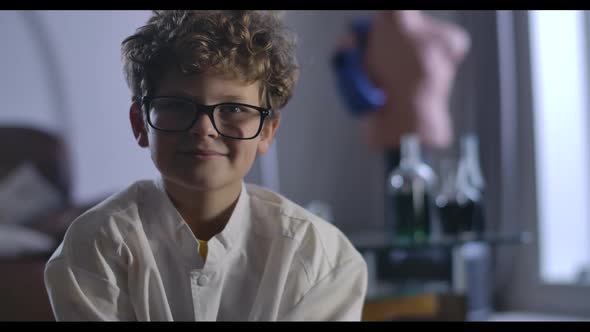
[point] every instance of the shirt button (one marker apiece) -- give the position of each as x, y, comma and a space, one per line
203, 280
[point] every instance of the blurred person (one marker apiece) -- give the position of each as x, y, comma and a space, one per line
412, 58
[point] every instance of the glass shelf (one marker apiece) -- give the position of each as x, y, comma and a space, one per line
382, 290
379, 241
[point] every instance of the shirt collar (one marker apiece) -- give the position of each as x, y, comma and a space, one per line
238, 222
233, 233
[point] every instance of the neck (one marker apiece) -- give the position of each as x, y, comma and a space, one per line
205, 211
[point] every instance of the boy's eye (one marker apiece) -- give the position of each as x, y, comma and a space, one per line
172, 105
230, 109
232, 113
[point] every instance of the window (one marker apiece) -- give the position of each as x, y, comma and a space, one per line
552, 182
560, 112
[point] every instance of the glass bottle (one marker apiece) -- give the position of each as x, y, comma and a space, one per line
410, 188
460, 200
455, 201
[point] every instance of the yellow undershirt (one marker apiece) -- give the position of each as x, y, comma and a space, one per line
203, 249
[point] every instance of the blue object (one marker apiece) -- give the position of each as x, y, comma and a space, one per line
359, 93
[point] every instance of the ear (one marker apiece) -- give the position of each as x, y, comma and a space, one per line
138, 125
267, 134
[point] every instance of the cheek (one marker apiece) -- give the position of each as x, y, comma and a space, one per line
243, 153
162, 146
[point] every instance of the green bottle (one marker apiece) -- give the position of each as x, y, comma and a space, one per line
410, 187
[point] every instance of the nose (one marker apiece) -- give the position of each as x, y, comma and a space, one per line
203, 126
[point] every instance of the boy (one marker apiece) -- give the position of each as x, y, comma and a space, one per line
198, 243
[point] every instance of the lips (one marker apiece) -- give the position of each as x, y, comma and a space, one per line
204, 153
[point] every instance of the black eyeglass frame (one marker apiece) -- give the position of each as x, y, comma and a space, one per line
207, 109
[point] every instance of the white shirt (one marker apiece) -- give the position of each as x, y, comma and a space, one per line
133, 257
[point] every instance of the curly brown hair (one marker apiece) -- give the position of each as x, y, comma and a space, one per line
253, 46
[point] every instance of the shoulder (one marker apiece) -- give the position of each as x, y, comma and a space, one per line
119, 210
107, 224
320, 245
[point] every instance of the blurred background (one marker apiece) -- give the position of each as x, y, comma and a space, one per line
521, 92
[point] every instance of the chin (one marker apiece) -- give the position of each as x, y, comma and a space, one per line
199, 182
200, 176
205, 185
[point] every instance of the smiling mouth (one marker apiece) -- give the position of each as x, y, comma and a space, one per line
203, 154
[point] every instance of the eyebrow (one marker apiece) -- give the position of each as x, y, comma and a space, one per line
225, 97
236, 98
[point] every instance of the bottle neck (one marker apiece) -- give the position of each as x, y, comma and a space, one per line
410, 150
470, 160
448, 172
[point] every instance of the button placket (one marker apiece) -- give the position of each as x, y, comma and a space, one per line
194, 276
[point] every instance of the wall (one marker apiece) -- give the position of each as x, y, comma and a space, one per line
65, 75
321, 151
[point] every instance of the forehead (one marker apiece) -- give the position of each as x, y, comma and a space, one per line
207, 86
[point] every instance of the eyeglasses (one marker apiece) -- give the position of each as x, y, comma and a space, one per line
177, 114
